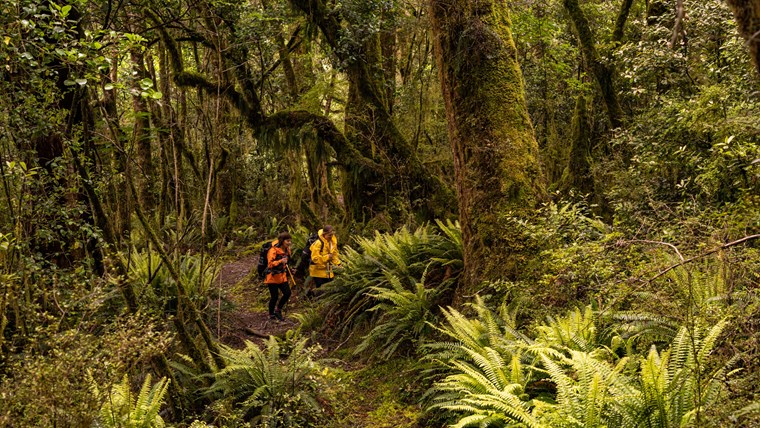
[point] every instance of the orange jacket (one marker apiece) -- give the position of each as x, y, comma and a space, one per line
274, 259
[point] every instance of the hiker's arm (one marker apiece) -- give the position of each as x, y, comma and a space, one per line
271, 262
270, 258
316, 253
334, 259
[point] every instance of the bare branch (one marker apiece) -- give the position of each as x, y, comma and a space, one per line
706, 253
646, 241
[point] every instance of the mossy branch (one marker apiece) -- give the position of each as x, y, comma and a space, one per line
622, 17
317, 12
326, 131
747, 14
169, 42
195, 80
704, 254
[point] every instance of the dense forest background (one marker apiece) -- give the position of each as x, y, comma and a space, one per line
548, 211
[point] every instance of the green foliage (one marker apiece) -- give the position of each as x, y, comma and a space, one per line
121, 409
405, 316
578, 257
493, 377
153, 282
51, 384
382, 395
276, 386
402, 258
485, 377
575, 331
683, 169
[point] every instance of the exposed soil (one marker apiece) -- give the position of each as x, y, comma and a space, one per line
244, 297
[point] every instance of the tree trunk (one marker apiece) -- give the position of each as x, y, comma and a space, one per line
142, 137
287, 67
495, 151
363, 190
119, 161
747, 13
622, 17
388, 51
405, 186
577, 174
602, 72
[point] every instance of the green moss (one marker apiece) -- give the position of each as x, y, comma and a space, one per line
383, 395
494, 144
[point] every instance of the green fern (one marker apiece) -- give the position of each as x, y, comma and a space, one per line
405, 316
404, 256
122, 410
155, 285
489, 371
273, 386
576, 330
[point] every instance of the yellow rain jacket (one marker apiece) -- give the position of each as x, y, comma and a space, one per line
324, 255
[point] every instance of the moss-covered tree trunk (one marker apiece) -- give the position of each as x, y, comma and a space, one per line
747, 13
602, 72
577, 174
495, 151
142, 137
364, 190
622, 17
120, 195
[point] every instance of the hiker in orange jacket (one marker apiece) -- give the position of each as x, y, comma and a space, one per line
277, 277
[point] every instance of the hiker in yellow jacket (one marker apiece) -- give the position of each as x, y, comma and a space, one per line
324, 257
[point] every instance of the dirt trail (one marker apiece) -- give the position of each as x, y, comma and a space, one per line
365, 398
246, 316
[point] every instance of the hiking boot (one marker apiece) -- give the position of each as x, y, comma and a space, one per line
278, 316
273, 317
310, 294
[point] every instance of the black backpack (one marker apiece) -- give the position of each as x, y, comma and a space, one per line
262, 267
305, 260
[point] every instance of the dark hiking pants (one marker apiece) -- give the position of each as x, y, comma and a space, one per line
284, 288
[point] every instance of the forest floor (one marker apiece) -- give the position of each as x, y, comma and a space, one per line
361, 395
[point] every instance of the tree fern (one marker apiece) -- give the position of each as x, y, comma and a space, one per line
488, 369
576, 330
404, 257
646, 329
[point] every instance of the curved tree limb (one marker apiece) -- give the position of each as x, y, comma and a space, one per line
705, 254
326, 131
325, 128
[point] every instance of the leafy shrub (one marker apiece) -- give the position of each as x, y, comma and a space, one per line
51, 383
